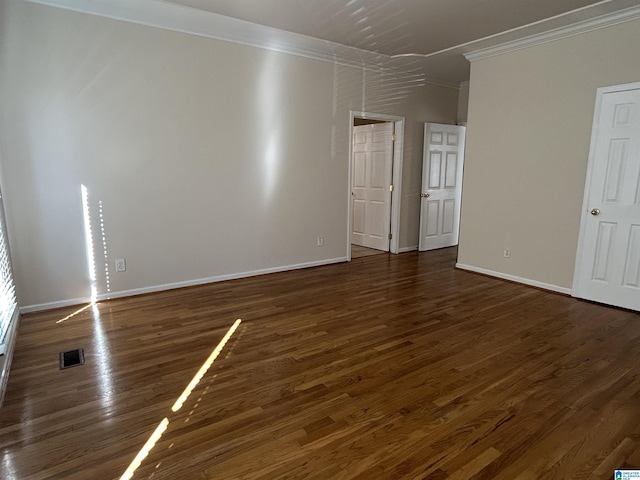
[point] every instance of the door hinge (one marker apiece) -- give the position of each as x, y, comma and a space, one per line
394, 137
391, 188
390, 236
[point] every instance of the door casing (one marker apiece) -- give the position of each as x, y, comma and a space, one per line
375, 221
396, 176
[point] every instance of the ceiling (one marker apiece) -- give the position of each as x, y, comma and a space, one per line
428, 39
392, 27
435, 33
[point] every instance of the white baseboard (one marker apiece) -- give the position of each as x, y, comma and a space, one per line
514, 278
57, 304
171, 286
408, 249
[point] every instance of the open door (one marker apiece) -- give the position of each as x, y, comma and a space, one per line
442, 164
371, 181
608, 257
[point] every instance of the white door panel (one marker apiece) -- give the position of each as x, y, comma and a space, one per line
371, 196
358, 218
432, 208
359, 168
376, 211
443, 159
608, 260
451, 170
379, 171
448, 216
434, 169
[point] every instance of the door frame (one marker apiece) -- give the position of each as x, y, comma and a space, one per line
396, 175
584, 215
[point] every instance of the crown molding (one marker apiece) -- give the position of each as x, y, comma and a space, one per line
192, 21
577, 28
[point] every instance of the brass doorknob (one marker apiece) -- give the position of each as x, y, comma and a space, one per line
595, 211
425, 195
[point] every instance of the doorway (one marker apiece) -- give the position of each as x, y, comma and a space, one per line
380, 199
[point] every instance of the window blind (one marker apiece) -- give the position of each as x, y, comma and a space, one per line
8, 303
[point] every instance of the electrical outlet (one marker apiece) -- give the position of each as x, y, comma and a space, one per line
121, 265
506, 253
320, 241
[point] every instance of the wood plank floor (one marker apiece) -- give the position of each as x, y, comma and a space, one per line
358, 251
390, 367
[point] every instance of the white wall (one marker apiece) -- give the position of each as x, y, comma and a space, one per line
463, 103
529, 127
208, 158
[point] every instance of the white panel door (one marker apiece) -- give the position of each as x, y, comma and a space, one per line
608, 260
371, 195
442, 163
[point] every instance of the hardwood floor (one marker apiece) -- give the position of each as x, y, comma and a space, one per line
391, 367
358, 252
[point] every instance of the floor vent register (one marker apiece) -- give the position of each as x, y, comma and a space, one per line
71, 358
